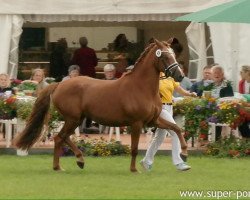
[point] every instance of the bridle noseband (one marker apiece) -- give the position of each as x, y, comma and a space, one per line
168, 69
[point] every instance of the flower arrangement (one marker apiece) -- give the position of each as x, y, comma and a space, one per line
227, 113
15, 82
54, 118
199, 112
24, 109
28, 85
196, 112
196, 117
99, 147
208, 86
180, 107
7, 107
233, 113
229, 147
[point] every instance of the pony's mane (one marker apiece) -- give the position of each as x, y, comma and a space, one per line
144, 53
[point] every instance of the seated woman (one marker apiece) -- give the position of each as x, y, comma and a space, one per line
5, 83
38, 77
244, 85
73, 71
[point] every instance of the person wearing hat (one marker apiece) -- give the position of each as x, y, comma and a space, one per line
85, 58
73, 71
109, 72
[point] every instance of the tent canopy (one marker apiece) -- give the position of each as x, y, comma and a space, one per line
104, 10
233, 12
14, 13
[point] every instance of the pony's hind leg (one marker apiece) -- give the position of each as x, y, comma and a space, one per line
77, 152
135, 136
57, 152
63, 136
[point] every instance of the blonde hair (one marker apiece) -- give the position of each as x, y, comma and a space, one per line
245, 68
34, 71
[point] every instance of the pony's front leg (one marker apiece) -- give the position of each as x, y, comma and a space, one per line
57, 152
135, 136
164, 124
77, 152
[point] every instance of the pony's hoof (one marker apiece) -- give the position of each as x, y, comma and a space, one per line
58, 169
80, 164
134, 170
184, 157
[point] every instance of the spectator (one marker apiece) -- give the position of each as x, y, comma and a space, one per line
245, 89
121, 46
5, 83
121, 43
85, 58
244, 85
128, 53
38, 78
73, 71
109, 72
222, 87
198, 86
59, 60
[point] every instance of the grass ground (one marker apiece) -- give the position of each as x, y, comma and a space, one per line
31, 177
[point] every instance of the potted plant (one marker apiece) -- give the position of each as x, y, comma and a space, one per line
207, 89
28, 87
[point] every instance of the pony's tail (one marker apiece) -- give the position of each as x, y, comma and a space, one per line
34, 126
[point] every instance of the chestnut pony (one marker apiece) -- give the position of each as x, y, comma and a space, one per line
133, 100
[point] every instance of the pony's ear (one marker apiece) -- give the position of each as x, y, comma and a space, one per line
158, 43
169, 42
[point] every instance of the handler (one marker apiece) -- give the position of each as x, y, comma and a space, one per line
166, 88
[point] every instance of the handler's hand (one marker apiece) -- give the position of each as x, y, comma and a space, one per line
193, 94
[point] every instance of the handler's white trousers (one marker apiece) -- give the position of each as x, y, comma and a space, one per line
160, 134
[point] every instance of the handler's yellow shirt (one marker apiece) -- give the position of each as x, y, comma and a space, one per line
167, 87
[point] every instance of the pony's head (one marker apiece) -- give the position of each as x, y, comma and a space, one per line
167, 61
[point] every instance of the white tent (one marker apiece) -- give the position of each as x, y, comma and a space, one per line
14, 13
230, 47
